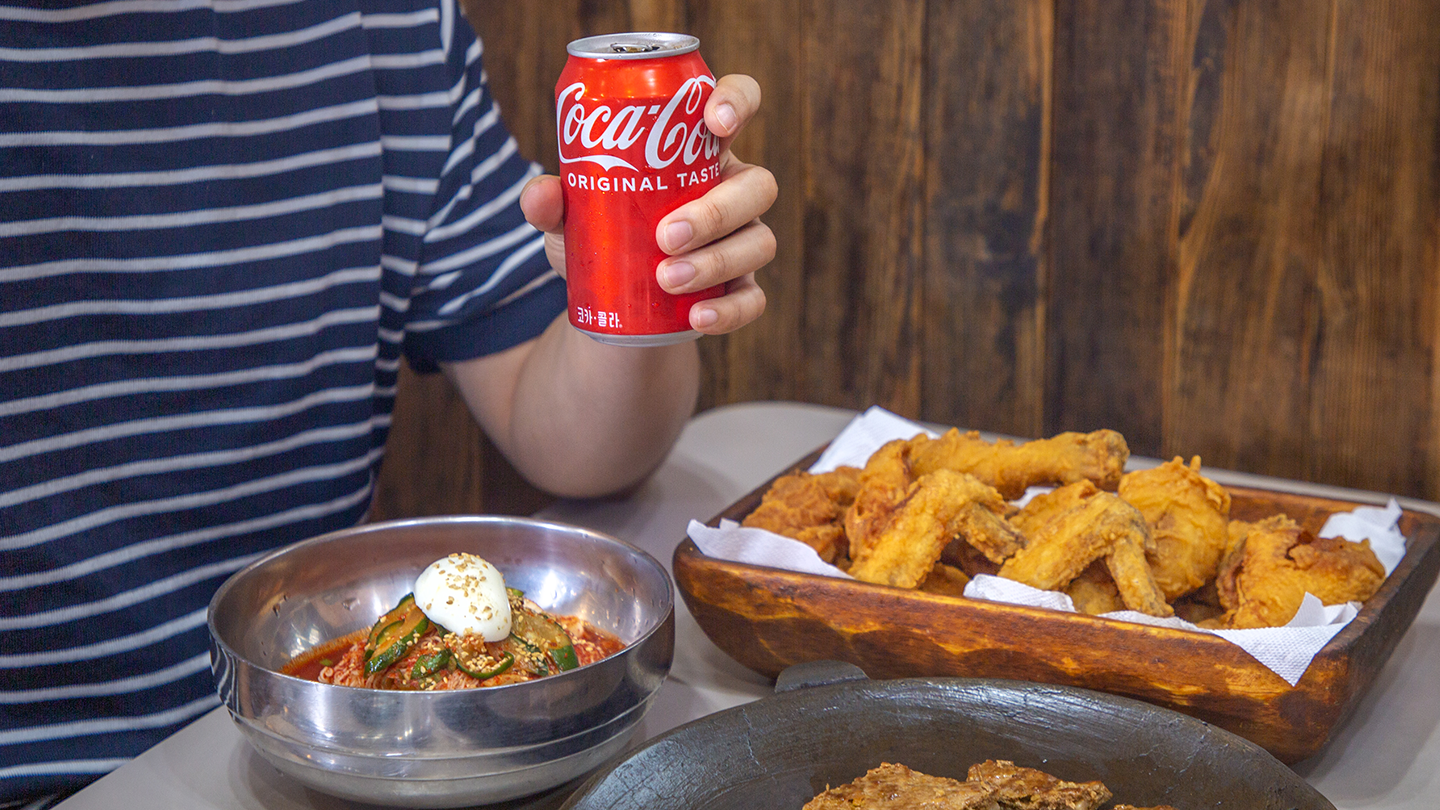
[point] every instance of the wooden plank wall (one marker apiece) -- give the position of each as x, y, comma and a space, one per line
1210, 225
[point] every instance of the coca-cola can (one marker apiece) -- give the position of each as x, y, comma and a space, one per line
629, 112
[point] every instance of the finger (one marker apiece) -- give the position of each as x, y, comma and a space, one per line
542, 203
733, 102
737, 255
742, 303
544, 208
746, 193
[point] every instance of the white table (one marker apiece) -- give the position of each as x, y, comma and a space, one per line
1386, 756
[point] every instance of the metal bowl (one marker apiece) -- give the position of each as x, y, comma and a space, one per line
438, 749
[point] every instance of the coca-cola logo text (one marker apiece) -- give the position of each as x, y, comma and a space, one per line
673, 132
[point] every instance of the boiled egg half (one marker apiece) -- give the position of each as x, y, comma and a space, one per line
465, 594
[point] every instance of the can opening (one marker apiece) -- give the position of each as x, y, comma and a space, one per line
625, 47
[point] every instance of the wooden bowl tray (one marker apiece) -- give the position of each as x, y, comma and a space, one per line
768, 619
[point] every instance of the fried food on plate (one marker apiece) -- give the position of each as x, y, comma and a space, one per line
1094, 591
1019, 787
946, 580
1119, 578
935, 509
896, 787
1046, 506
809, 508
1267, 574
1062, 548
1012, 468
882, 484
1133, 578
1188, 516
990, 785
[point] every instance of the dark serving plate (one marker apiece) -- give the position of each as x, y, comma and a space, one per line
827, 724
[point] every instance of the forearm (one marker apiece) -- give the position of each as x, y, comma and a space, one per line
583, 418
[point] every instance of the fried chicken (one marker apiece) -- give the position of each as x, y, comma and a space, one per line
1060, 549
1044, 507
1094, 591
1012, 468
946, 580
1268, 572
1129, 567
1188, 516
1117, 577
882, 484
809, 508
935, 509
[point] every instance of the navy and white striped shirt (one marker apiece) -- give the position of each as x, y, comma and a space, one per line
222, 222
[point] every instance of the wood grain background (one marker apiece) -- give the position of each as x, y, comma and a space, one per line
1211, 226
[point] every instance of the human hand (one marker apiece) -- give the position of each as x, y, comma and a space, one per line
717, 239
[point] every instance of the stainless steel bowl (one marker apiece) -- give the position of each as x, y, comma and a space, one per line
438, 749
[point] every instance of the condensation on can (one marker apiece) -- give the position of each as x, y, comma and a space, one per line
633, 147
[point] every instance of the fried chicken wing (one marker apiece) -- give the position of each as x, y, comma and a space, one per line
882, 485
1062, 548
946, 580
1188, 515
1046, 506
1268, 573
1094, 591
1012, 468
809, 508
1118, 579
1134, 580
1020, 788
936, 508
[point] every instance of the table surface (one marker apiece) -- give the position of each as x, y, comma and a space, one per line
1386, 755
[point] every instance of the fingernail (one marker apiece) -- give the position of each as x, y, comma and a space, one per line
728, 118
678, 274
703, 317
677, 235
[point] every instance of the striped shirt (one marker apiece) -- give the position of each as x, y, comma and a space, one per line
222, 222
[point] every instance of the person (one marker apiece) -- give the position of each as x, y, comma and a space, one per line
222, 225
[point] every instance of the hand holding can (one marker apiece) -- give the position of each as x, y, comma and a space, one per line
633, 147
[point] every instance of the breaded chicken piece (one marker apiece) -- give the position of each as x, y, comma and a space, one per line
1046, 506
946, 580
1130, 569
896, 787
1120, 579
1266, 576
1094, 591
883, 483
1019, 788
935, 509
809, 508
1012, 468
1062, 548
1188, 515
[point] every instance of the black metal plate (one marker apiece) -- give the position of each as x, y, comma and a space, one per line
825, 730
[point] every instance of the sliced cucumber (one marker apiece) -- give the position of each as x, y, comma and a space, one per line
394, 639
427, 665
546, 634
503, 663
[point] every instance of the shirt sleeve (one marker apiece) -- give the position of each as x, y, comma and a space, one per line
483, 283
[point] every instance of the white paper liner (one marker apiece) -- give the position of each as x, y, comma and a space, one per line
1287, 650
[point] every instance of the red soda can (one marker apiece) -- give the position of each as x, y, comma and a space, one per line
629, 111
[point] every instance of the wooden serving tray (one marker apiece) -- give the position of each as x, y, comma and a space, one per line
768, 619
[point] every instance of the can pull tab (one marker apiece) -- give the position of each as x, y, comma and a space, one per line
631, 47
